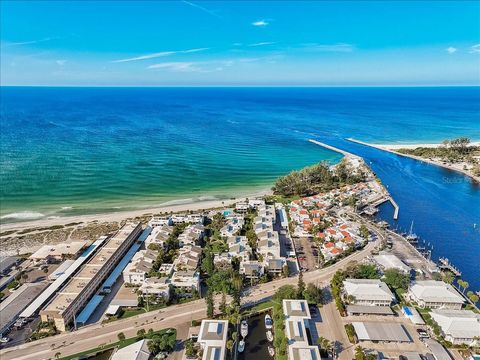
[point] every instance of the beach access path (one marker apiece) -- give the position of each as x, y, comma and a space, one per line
394, 147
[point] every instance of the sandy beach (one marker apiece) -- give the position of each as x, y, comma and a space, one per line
459, 167
122, 215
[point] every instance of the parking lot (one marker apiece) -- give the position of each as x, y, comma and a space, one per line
307, 253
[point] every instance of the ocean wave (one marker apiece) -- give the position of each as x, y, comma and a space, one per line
25, 215
178, 202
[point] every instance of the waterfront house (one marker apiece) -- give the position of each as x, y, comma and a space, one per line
212, 338
368, 292
297, 324
458, 326
435, 295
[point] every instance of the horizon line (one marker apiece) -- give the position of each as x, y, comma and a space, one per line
249, 86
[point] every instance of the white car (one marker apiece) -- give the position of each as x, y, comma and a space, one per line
4, 340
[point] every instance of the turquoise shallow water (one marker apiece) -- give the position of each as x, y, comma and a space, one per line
71, 151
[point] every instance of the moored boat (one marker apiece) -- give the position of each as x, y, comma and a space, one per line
269, 336
268, 322
241, 346
271, 350
244, 328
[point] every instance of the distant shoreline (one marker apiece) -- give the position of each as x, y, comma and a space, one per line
392, 148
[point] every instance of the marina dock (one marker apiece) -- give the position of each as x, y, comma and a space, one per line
446, 265
394, 204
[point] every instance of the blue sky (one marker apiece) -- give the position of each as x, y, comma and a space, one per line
202, 43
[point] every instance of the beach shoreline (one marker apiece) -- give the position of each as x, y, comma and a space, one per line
118, 216
393, 148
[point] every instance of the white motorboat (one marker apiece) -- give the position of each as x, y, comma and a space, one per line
268, 322
241, 346
269, 336
271, 350
244, 328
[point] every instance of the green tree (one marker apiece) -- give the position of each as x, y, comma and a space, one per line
364, 233
285, 292
121, 336
366, 271
207, 263
300, 286
359, 353
230, 344
463, 284
222, 307
473, 297
396, 279
448, 277
141, 333
210, 305
286, 271
313, 294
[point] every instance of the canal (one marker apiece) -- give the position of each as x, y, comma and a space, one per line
256, 343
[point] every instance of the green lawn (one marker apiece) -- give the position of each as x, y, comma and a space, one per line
261, 306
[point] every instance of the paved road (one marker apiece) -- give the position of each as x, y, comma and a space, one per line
95, 335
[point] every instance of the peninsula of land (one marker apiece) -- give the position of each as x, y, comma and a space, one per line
461, 155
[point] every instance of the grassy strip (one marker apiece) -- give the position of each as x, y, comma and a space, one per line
119, 344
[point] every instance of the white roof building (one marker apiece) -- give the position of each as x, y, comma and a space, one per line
297, 316
458, 326
186, 279
212, 337
390, 261
435, 295
57, 250
156, 287
368, 292
136, 351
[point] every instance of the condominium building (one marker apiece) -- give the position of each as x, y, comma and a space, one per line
74, 296
435, 295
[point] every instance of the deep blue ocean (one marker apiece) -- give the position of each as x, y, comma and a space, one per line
67, 151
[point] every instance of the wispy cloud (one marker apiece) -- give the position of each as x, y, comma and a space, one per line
175, 66
30, 42
340, 47
261, 23
205, 66
475, 49
210, 12
159, 54
451, 50
60, 62
263, 43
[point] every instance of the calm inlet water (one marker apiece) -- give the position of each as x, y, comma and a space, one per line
66, 151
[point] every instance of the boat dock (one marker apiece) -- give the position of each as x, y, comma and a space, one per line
444, 264
394, 204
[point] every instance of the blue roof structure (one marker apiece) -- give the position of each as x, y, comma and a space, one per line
407, 311
89, 309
